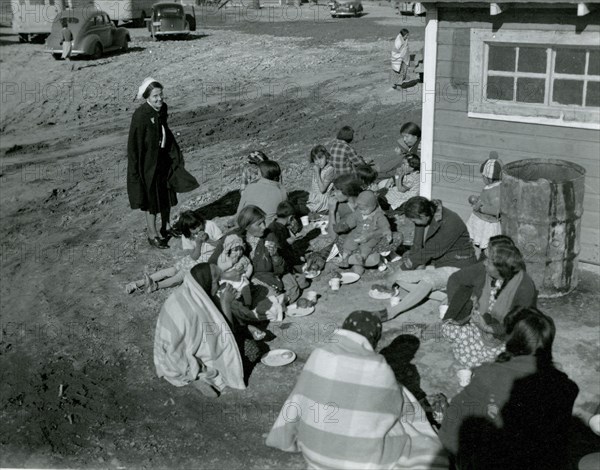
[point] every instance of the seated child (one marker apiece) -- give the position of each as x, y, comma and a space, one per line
405, 184
322, 180
236, 268
250, 172
280, 233
197, 235
367, 175
369, 226
485, 219
188, 240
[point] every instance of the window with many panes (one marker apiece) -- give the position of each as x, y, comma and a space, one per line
545, 77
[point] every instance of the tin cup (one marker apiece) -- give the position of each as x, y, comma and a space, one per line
335, 283
464, 377
312, 295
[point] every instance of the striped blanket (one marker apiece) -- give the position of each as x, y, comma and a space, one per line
348, 412
192, 332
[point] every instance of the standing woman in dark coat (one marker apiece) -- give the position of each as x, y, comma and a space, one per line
148, 161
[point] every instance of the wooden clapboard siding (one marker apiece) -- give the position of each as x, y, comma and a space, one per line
462, 143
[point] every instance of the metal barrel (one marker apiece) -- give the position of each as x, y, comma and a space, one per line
541, 206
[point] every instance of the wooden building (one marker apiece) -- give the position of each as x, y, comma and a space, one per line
521, 79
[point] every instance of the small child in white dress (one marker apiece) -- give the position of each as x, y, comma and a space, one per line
236, 268
484, 222
406, 182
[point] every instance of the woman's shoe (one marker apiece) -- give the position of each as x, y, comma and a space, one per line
166, 234
158, 242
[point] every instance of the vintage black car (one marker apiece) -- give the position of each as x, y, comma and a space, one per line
93, 32
345, 8
170, 19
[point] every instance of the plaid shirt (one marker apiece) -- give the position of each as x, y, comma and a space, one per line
344, 158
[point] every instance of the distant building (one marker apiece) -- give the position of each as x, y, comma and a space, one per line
519, 78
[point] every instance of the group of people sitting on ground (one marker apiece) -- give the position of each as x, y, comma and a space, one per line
347, 409
513, 412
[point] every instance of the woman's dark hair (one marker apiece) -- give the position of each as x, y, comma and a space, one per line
270, 170
348, 185
151, 86
285, 209
404, 32
529, 333
507, 259
366, 174
64, 22
501, 240
346, 134
249, 215
319, 151
411, 128
188, 221
419, 206
414, 161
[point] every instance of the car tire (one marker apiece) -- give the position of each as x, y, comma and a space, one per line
97, 51
57, 56
125, 45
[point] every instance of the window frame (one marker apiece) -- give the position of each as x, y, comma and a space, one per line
547, 114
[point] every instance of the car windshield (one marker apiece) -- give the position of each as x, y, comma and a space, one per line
171, 11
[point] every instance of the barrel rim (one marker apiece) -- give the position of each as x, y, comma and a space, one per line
555, 161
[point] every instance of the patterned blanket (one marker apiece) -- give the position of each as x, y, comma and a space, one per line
193, 338
348, 412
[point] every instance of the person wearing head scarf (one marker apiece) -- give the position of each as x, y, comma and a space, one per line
236, 268
347, 410
152, 156
193, 342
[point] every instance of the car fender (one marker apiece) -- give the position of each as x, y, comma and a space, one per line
120, 36
88, 43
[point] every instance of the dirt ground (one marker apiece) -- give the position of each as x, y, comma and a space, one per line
277, 79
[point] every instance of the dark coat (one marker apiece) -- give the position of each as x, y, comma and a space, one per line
143, 149
513, 415
180, 180
447, 242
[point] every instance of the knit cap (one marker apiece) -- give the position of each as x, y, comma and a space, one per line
492, 167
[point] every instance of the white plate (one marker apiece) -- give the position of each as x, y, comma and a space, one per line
375, 294
294, 311
349, 278
275, 358
312, 275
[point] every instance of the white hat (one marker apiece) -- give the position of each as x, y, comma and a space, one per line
147, 81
